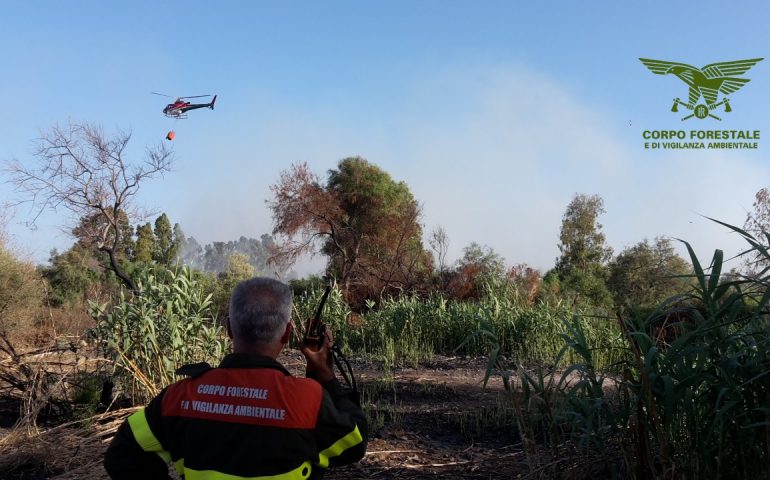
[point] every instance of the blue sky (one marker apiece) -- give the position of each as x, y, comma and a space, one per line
494, 113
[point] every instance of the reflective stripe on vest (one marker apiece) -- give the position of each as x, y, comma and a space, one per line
351, 439
149, 443
144, 436
300, 473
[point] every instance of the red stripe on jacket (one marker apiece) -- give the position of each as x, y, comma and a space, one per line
250, 396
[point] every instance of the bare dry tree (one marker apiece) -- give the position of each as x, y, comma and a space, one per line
83, 171
758, 225
301, 208
439, 243
305, 216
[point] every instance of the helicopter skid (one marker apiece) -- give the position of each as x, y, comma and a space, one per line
178, 117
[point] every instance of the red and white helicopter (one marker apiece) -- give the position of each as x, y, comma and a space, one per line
179, 108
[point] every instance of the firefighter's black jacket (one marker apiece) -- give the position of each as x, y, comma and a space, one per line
247, 419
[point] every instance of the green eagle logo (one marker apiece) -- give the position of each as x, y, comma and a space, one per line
705, 82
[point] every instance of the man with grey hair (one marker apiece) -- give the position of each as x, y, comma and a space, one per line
248, 418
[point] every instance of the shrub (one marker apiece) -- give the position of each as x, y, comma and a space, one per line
150, 335
22, 291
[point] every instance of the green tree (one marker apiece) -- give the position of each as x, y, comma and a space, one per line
238, 266
489, 262
238, 269
477, 265
145, 243
191, 253
179, 241
214, 256
165, 247
366, 223
647, 273
70, 274
582, 266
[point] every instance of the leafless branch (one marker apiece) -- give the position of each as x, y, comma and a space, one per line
80, 169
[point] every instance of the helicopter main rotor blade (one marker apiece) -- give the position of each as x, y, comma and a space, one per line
197, 96
161, 94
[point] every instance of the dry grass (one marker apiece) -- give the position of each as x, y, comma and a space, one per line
45, 377
72, 450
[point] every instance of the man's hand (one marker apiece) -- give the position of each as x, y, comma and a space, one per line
319, 362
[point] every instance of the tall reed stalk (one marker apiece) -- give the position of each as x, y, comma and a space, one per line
409, 329
689, 398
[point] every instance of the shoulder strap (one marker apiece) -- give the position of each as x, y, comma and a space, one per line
193, 369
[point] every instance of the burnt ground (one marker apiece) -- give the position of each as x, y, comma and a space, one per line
438, 422
433, 421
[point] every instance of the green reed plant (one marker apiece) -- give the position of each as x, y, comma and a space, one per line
148, 336
706, 397
410, 329
692, 399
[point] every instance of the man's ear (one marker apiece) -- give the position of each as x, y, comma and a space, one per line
287, 333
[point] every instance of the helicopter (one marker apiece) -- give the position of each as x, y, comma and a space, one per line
179, 108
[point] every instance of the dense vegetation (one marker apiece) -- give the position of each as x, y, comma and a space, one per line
640, 365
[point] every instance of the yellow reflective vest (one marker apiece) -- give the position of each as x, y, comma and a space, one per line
248, 419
